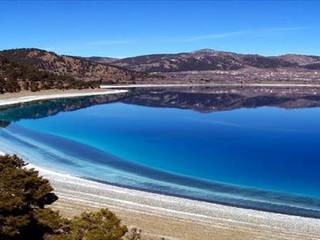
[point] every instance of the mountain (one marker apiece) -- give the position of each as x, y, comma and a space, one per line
303, 61
207, 59
76, 67
39, 69
210, 66
17, 76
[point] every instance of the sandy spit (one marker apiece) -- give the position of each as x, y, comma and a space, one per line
23, 97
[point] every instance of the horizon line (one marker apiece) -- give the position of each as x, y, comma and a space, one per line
62, 53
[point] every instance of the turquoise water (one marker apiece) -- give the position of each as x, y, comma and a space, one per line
266, 158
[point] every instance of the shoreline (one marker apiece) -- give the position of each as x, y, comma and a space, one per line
280, 85
172, 217
77, 194
9, 99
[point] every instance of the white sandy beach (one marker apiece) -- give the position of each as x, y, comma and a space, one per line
177, 218
166, 216
12, 98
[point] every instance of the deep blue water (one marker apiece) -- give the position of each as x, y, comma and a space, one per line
266, 157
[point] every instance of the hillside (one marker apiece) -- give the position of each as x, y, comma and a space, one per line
36, 69
207, 59
17, 76
76, 67
301, 60
210, 66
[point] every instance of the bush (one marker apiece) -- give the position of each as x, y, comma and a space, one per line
24, 196
102, 225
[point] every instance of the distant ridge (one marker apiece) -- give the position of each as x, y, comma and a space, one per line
50, 70
209, 59
76, 67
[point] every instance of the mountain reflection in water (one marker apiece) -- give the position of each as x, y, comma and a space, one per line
197, 99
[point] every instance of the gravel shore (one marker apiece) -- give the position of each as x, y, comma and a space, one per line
177, 218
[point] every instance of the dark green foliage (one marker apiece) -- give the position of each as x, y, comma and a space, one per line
23, 197
102, 225
17, 76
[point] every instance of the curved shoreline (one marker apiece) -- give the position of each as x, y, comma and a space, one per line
172, 217
195, 220
150, 210
77, 193
138, 177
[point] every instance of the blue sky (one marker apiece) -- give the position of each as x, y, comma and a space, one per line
128, 28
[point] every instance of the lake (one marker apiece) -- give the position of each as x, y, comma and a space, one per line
249, 151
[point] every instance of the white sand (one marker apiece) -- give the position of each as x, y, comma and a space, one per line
262, 225
37, 97
176, 218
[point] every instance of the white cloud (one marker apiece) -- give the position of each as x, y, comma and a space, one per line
244, 32
217, 35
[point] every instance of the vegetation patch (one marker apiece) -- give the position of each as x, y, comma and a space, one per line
24, 197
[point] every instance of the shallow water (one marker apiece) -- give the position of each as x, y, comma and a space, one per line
265, 158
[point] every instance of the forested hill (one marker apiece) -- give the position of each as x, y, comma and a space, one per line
16, 76
76, 67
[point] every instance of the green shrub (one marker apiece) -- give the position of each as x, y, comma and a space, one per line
24, 196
